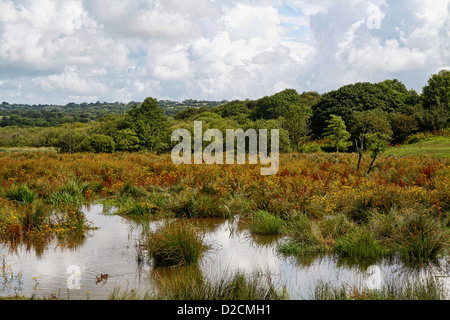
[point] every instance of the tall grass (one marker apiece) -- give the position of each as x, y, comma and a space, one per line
360, 243
420, 237
176, 243
264, 223
21, 194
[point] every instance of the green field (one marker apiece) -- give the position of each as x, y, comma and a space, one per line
436, 146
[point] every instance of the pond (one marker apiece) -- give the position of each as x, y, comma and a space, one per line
75, 273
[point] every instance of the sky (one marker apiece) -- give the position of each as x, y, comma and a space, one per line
56, 52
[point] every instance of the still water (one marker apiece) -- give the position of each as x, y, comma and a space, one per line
75, 273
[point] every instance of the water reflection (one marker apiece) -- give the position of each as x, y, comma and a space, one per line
112, 249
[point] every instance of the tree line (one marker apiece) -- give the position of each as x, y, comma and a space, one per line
357, 117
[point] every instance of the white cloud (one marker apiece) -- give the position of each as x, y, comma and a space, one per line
73, 82
214, 49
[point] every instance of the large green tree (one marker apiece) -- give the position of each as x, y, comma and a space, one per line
436, 101
273, 107
389, 96
296, 122
150, 124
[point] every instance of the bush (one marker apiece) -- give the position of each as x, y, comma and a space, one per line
98, 143
311, 147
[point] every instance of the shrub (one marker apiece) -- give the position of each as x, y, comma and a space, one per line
311, 147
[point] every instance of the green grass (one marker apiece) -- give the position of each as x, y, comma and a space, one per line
21, 194
360, 243
176, 244
435, 146
264, 223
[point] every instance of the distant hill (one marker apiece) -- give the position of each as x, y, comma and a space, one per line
47, 115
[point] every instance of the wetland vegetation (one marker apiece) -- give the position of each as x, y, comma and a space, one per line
363, 179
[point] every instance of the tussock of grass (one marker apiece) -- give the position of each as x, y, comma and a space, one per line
21, 194
264, 223
175, 244
361, 243
420, 237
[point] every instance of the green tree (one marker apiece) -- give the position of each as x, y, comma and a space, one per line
436, 101
367, 129
98, 143
437, 91
296, 122
277, 105
69, 137
376, 143
150, 124
402, 126
358, 97
336, 131
126, 140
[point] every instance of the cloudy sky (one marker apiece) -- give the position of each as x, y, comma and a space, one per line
127, 50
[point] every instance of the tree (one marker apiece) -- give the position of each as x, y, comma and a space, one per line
277, 105
402, 126
126, 140
436, 101
370, 121
388, 96
150, 124
437, 91
296, 122
336, 131
376, 143
369, 129
69, 137
98, 143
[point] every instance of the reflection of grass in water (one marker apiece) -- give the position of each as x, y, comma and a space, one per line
427, 289
189, 284
10, 283
411, 234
